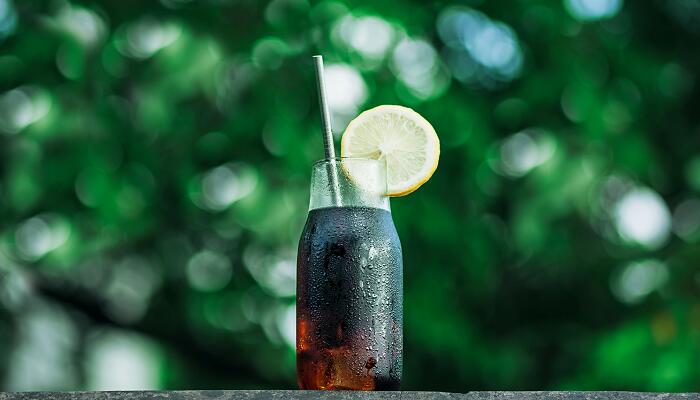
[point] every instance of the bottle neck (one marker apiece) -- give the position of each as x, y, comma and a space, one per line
349, 183
327, 199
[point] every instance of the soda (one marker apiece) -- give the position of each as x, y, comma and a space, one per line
349, 300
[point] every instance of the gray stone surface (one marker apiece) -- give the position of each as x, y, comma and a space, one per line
311, 395
578, 396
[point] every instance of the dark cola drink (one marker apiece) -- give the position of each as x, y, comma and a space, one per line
349, 300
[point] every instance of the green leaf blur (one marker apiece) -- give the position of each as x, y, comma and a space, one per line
155, 160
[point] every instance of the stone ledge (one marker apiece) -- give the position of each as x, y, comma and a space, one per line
579, 396
340, 395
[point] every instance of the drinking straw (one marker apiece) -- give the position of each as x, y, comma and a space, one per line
327, 132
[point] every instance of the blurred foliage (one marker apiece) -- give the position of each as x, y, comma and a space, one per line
154, 173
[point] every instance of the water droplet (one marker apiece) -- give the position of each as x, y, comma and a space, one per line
372, 252
371, 362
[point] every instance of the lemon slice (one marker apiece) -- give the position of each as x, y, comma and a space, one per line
399, 136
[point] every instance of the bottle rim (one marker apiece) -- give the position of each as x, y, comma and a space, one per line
328, 160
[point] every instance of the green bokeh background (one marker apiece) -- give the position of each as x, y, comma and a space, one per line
154, 173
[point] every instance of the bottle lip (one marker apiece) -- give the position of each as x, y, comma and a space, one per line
328, 160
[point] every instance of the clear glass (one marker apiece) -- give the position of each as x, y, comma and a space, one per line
332, 183
349, 282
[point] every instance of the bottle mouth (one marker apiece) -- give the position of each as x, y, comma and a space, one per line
328, 160
348, 182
